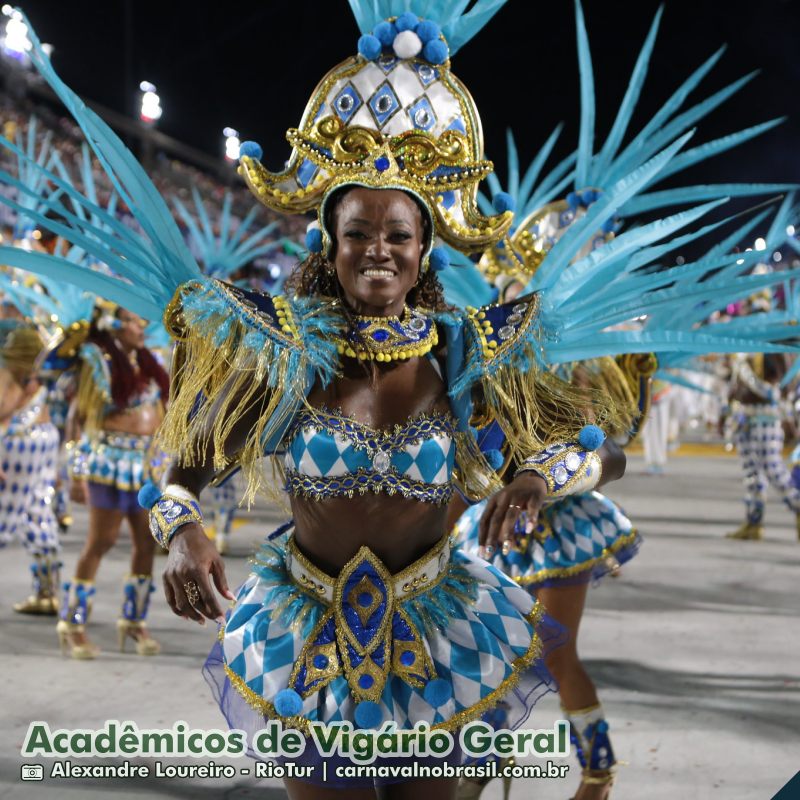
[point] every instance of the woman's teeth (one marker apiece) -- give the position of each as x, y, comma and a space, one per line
378, 273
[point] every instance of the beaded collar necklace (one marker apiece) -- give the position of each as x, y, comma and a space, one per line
389, 338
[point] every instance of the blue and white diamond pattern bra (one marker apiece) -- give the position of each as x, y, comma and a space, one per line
331, 455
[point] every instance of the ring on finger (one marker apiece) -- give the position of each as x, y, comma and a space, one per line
488, 550
192, 592
511, 505
507, 545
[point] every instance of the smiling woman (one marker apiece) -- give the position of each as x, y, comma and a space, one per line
380, 241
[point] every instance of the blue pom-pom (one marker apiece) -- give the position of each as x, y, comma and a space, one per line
437, 692
588, 197
369, 46
494, 458
573, 200
385, 32
435, 52
314, 240
591, 437
407, 21
149, 495
439, 259
288, 703
428, 30
608, 226
503, 201
368, 714
602, 726
251, 149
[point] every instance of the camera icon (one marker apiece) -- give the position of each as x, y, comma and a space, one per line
32, 772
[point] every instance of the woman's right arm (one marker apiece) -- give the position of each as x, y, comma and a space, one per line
193, 558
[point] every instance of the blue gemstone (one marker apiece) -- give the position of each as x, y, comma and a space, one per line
407, 658
380, 335
320, 661
364, 599
382, 163
366, 681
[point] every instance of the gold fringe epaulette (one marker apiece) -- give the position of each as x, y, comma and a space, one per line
533, 406
243, 365
94, 387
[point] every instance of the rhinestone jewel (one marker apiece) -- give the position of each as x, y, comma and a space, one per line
560, 474
506, 332
573, 461
165, 505
422, 118
381, 461
519, 308
514, 319
417, 324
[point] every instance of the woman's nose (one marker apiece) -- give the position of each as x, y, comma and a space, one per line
379, 249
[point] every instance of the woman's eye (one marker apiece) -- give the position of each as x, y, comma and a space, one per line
355, 235
401, 236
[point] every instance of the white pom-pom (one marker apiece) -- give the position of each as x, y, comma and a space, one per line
407, 44
313, 226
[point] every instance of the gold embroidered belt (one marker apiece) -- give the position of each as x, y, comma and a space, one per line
365, 633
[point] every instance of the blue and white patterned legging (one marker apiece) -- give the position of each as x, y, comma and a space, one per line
760, 444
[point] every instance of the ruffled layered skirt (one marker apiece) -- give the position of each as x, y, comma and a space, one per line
578, 539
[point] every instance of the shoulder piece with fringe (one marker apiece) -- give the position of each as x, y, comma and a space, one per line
238, 349
503, 361
94, 386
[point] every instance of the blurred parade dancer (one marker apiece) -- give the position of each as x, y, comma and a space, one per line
655, 431
28, 449
756, 412
119, 403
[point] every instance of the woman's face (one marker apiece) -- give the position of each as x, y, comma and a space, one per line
379, 244
131, 333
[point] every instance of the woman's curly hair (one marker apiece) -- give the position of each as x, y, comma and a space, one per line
316, 276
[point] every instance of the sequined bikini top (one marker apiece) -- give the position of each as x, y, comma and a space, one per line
332, 455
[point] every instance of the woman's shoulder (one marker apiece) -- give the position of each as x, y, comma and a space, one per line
218, 310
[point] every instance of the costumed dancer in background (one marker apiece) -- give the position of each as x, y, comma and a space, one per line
756, 411
410, 629
29, 450
119, 402
655, 431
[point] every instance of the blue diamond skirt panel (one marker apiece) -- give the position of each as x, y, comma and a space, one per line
442, 642
578, 539
114, 466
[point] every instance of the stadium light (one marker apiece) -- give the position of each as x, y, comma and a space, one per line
16, 43
151, 103
231, 143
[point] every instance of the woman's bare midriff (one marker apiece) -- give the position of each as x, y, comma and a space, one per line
398, 530
140, 421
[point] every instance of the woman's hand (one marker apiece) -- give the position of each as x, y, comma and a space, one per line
192, 558
526, 493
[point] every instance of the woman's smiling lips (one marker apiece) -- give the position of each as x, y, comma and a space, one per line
377, 273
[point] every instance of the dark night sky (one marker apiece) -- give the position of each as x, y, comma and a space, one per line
253, 64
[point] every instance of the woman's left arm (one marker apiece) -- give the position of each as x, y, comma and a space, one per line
528, 492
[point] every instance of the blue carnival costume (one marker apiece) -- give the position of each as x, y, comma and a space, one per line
28, 454
449, 636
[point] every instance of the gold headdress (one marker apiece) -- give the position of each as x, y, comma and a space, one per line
392, 117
